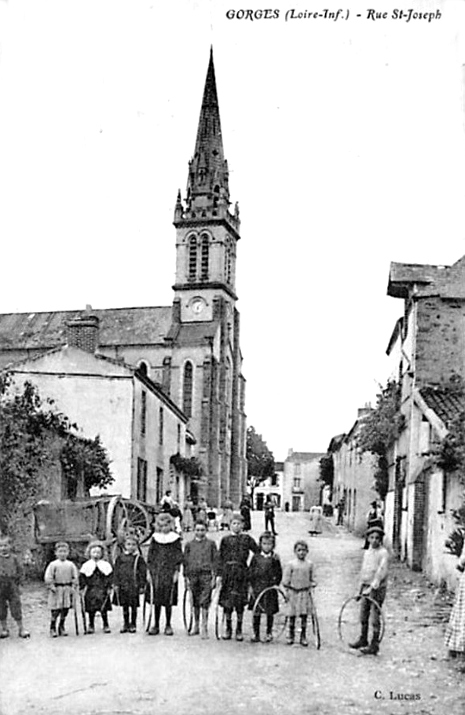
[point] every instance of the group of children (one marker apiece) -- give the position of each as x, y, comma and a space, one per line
241, 569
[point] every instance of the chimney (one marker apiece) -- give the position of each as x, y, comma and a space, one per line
83, 331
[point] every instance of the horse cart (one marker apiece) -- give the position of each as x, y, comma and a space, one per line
107, 518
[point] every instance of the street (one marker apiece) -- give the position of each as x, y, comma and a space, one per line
140, 675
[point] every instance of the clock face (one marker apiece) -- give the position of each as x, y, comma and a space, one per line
197, 306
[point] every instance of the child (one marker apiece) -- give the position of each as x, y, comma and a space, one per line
95, 579
264, 571
164, 561
130, 575
232, 574
455, 630
62, 579
200, 557
11, 576
298, 580
373, 583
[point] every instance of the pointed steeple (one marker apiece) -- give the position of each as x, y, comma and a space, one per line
208, 180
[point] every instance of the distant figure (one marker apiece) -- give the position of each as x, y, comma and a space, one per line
188, 516
374, 518
269, 516
340, 512
167, 501
286, 506
244, 508
227, 514
316, 521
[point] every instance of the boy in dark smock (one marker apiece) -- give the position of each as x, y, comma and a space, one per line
130, 575
200, 556
234, 553
264, 571
11, 576
164, 561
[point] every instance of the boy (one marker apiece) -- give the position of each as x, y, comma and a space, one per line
62, 579
232, 574
200, 557
11, 575
373, 583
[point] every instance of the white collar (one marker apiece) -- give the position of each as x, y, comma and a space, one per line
168, 538
89, 567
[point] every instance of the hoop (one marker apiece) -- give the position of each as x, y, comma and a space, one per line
147, 603
315, 624
188, 609
266, 600
348, 623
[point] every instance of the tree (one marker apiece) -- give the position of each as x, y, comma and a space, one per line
260, 460
327, 471
380, 429
31, 433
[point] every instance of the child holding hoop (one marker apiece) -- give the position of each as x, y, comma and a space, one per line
264, 571
298, 581
95, 581
130, 578
200, 557
234, 553
164, 561
373, 583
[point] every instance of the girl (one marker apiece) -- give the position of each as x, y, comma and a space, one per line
232, 574
62, 579
264, 571
95, 580
455, 631
130, 576
164, 561
298, 580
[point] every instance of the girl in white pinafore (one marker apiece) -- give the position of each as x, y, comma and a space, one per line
297, 581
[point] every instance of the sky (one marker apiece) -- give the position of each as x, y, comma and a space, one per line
345, 141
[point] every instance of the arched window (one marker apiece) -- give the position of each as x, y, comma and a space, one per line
143, 369
204, 257
192, 258
187, 385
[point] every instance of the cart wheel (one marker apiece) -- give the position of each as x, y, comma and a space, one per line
147, 603
315, 625
125, 515
275, 598
188, 610
349, 619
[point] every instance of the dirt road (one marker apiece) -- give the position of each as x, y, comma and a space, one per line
135, 674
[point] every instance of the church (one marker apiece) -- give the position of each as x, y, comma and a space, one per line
190, 350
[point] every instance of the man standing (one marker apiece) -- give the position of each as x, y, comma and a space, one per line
269, 516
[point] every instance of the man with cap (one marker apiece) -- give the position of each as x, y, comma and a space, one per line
373, 583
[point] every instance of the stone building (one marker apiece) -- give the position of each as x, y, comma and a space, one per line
353, 475
427, 350
140, 427
301, 486
190, 349
272, 487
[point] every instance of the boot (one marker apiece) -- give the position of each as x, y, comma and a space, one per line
62, 630
291, 633
53, 630
239, 636
372, 649
228, 635
359, 643
196, 628
256, 630
303, 637
204, 632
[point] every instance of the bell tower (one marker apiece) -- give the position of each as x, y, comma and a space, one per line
206, 230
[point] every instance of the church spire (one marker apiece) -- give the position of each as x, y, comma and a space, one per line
208, 179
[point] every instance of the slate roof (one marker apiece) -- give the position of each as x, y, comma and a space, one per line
304, 456
445, 281
447, 406
118, 326
193, 333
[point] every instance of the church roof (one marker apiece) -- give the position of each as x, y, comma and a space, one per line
118, 326
193, 333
